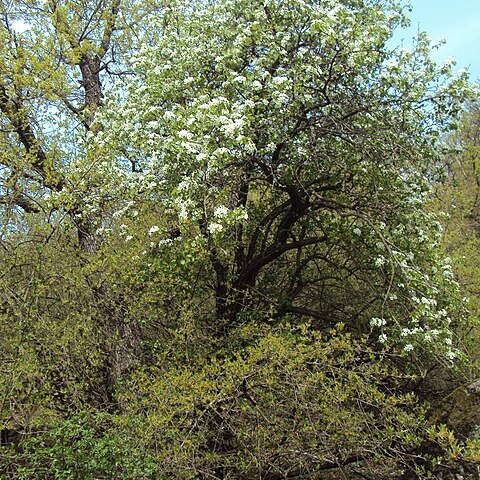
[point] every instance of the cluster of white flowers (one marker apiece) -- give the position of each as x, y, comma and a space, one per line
256, 85
186, 207
165, 241
232, 127
378, 322
215, 228
451, 355
221, 211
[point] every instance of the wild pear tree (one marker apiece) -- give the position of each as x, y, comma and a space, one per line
296, 150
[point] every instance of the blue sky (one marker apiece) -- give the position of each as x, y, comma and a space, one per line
456, 21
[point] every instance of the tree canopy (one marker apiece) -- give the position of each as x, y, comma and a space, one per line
291, 146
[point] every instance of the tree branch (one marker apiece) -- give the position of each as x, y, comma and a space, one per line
247, 275
109, 28
14, 111
22, 201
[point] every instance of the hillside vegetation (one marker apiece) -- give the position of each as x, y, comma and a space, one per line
238, 242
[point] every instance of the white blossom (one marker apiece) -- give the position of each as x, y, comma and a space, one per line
184, 134
451, 354
165, 241
382, 338
215, 228
221, 211
378, 322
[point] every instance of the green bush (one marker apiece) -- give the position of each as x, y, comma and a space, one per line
87, 446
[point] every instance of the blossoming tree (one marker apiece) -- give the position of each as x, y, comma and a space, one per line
295, 148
